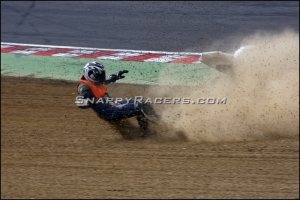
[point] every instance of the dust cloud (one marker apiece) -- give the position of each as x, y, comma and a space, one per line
262, 99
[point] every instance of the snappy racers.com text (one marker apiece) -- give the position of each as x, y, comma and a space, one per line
156, 100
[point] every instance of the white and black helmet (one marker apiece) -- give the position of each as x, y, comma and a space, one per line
94, 72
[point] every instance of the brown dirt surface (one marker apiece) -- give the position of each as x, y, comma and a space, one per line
52, 149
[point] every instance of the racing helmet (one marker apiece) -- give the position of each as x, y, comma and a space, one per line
94, 72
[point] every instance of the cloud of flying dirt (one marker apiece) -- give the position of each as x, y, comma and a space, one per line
262, 101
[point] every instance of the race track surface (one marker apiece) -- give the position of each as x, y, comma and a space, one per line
52, 149
196, 26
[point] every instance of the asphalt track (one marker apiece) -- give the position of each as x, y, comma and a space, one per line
157, 26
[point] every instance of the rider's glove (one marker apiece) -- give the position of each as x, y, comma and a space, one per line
119, 75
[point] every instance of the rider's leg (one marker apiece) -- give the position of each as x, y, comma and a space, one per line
126, 109
143, 123
120, 110
149, 112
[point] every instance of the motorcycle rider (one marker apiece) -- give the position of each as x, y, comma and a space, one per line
92, 85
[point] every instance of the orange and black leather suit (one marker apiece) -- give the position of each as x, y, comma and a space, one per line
109, 110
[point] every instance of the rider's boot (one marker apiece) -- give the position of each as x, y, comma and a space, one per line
150, 113
143, 123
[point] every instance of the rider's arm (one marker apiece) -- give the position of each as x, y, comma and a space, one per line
111, 79
85, 93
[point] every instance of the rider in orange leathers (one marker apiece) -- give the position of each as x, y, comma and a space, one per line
92, 86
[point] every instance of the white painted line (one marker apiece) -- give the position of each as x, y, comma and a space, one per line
66, 54
98, 49
110, 57
4, 46
119, 56
166, 58
31, 50
24, 52
82, 51
127, 54
38, 49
